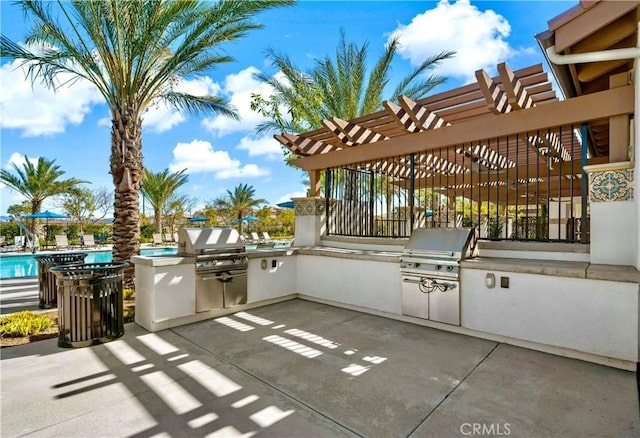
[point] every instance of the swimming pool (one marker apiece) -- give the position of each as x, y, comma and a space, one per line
24, 265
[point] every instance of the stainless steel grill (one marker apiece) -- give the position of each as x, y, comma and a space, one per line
430, 269
220, 266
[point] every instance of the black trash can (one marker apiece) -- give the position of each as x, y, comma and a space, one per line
90, 309
48, 291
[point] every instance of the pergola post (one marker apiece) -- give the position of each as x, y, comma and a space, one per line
614, 210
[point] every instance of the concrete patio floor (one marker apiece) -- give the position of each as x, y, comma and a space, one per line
303, 369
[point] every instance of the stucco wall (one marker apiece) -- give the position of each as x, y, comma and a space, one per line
593, 316
156, 297
271, 282
614, 233
365, 283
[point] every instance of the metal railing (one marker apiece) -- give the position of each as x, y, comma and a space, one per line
32, 239
528, 186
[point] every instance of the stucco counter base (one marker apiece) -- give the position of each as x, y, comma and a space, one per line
574, 306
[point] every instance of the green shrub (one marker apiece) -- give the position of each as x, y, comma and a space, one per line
146, 232
25, 323
129, 314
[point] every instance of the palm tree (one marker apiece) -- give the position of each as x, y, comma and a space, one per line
38, 182
159, 188
338, 87
239, 203
175, 209
134, 52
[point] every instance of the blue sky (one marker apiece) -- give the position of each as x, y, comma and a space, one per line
72, 126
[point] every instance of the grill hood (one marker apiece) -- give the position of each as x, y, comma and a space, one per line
440, 243
198, 241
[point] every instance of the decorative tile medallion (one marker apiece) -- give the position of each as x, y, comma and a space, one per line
611, 185
309, 206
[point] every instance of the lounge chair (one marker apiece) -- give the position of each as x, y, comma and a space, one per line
168, 238
88, 241
255, 237
18, 245
266, 236
62, 242
157, 239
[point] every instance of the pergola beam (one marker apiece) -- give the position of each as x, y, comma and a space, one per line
593, 106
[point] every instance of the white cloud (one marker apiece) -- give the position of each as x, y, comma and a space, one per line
265, 145
104, 122
18, 159
288, 196
200, 157
246, 171
477, 37
239, 87
36, 110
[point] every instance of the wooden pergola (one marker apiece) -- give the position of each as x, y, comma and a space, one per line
484, 121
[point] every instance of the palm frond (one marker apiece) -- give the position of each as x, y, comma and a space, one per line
428, 83
199, 104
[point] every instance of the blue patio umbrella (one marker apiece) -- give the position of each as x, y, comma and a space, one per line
287, 204
46, 215
249, 218
198, 220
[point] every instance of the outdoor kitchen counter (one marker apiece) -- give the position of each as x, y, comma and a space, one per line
627, 274
354, 254
162, 260
270, 252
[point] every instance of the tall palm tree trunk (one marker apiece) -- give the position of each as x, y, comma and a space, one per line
157, 218
36, 205
126, 169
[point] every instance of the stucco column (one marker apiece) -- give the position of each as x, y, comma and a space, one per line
310, 220
614, 213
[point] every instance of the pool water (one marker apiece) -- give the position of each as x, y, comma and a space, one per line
24, 265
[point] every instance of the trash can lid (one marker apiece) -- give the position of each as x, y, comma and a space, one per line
89, 269
61, 257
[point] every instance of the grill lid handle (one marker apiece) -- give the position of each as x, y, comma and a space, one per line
439, 253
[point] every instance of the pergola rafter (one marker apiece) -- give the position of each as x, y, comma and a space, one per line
400, 116
496, 98
421, 116
516, 93
357, 134
412, 117
303, 146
